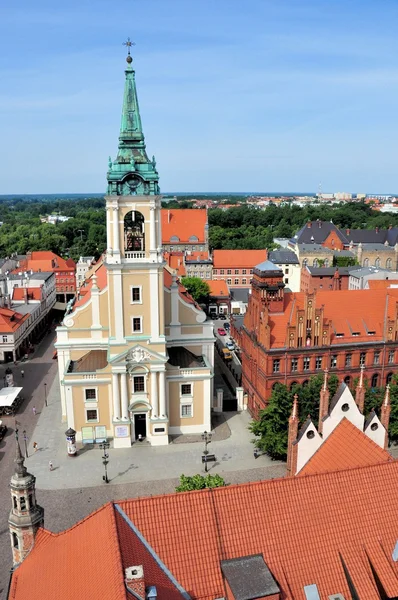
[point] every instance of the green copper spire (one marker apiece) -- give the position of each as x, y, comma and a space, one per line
132, 172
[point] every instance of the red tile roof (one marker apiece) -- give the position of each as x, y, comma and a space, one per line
196, 256
334, 529
175, 260
345, 448
85, 290
45, 261
303, 526
218, 287
349, 312
382, 284
238, 258
34, 293
65, 565
183, 223
10, 320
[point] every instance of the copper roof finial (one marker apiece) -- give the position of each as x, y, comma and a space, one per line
129, 43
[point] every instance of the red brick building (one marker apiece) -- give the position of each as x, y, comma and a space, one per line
65, 271
236, 266
287, 337
325, 278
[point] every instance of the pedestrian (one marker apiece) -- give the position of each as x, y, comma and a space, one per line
34, 410
22, 373
35, 446
50, 464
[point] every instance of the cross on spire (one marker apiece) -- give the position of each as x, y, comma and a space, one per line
128, 43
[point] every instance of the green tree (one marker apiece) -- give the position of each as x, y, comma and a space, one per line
198, 288
199, 482
271, 429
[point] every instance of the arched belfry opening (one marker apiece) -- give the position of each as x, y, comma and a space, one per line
134, 232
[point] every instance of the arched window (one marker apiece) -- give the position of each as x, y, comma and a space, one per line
326, 262
193, 239
375, 380
347, 380
366, 262
389, 378
315, 263
377, 262
134, 232
275, 385
14, 500
174, 239
305, 262
388, 263
15, 540
294, 383
305, 383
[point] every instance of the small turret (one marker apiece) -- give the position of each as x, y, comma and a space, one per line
25, 516
292, 437
385, 414
323, 402
360, 392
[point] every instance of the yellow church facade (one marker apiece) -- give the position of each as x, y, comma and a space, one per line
135, 353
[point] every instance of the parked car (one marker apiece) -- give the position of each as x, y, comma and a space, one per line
222, 317
226, 354
230, 345
3, 430
221, 331
226, 325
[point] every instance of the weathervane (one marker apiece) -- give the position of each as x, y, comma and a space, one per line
129, 43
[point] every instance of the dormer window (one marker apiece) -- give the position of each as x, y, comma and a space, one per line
174, 239
193, 239
339, 335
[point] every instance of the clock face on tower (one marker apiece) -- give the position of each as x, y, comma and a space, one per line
133, 185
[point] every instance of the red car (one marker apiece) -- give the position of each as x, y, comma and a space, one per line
221, 331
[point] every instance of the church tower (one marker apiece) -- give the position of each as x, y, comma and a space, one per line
134, 262
26, 516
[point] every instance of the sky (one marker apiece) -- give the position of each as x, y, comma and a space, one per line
235, 96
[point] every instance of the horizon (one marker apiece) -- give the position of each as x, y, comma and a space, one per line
277, 95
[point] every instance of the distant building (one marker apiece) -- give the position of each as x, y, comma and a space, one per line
359, 278
184, 229
219, 298
82, 266
325, 278
290, 264
198, 264
65, 279
236, 266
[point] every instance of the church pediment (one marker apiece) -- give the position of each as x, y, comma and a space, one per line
138, 355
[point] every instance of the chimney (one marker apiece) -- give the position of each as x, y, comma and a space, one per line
390, 226
385, 414
360, 392
347, 231
377, 230
25, 295
309, 224
319, 223
323, 402
134, 580
292, 437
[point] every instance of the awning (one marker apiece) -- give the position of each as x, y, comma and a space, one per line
8, 395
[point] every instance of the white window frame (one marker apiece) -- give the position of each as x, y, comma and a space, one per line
183, 396
145, 384
190, 404
132, 287
91, 387
132, 324
92, 420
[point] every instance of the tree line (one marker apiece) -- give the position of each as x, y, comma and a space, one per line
84, 234
246, 227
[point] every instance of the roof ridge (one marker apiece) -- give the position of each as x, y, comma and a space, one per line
86, 518
118, 550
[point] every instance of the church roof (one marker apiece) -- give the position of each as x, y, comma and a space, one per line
345, 448
324, 529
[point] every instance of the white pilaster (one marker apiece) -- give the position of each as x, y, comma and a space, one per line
70, 414
154, 394
116, 396
108, 229
152, 232
95, 308
118, 305
174, 302
116, 240
125, 399
162, 394
154, 303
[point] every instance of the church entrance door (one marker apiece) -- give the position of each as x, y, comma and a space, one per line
140, 426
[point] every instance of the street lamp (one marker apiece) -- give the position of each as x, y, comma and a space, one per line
26, 444
45, 394
105, 446
206, 437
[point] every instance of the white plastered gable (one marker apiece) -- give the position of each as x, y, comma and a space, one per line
375, 430
138, 354
342, 405
308, 442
